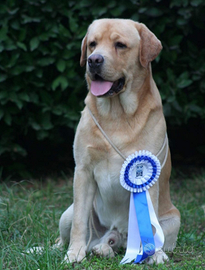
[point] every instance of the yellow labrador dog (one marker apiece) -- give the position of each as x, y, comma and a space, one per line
124, 100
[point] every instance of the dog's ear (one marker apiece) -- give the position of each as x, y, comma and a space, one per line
150, 46
83, 51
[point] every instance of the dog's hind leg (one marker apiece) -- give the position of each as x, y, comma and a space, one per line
65, 227
170, 223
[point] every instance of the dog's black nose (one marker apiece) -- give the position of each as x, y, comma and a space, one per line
95, 61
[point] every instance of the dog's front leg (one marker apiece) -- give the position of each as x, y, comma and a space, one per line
84, 192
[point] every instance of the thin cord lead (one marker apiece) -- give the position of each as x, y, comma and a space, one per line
165, 143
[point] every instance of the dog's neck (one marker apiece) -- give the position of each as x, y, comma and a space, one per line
128, 102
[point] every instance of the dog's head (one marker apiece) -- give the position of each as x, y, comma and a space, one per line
115, 52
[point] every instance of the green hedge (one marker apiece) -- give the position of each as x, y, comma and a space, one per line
42, 86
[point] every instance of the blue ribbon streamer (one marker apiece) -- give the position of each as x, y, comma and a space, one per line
144, 224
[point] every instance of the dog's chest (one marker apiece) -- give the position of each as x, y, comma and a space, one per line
112, 201
107, 176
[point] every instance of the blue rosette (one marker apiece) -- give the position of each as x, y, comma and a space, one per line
139, 172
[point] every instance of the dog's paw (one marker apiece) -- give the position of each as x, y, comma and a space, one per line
103, 250
158, 257
73, 256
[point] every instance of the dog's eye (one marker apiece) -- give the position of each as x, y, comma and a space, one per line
92, 44
120, 45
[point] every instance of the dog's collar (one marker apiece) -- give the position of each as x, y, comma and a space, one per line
165, 143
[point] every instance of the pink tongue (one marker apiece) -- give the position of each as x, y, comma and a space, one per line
99, 88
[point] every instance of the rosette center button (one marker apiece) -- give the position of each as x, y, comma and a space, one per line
139, 171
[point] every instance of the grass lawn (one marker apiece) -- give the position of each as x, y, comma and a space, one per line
30, 212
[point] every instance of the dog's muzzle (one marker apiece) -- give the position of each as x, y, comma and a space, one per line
99, 86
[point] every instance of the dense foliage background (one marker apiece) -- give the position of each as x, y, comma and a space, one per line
42, 86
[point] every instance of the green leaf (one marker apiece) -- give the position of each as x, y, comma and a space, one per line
34, 98
18, 69
28, 19
176, 40
9, 46
39, 73
55, 84
19, 104
13, 60
46, 121
1, 113
61, 65
116, 11
57, 110
183, 80
4, 94
14, 98
154, 12
7, 119
181, 21
171, 99
72, 115
99, 11
196, 3
44, 37
15, 25
3, 9
3, 33
19, 149
184, 83
195, 108
46, 97
3, 149
35, 126
3, 77
1, 48
21, 46
46, 61
42, 134
73, 24
170, 75
64, 31
34, 43
142, 9
29, 68
177, 106
24, 97
47, 7
13, 11
60, 81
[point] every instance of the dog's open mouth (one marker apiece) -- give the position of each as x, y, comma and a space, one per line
102, 88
